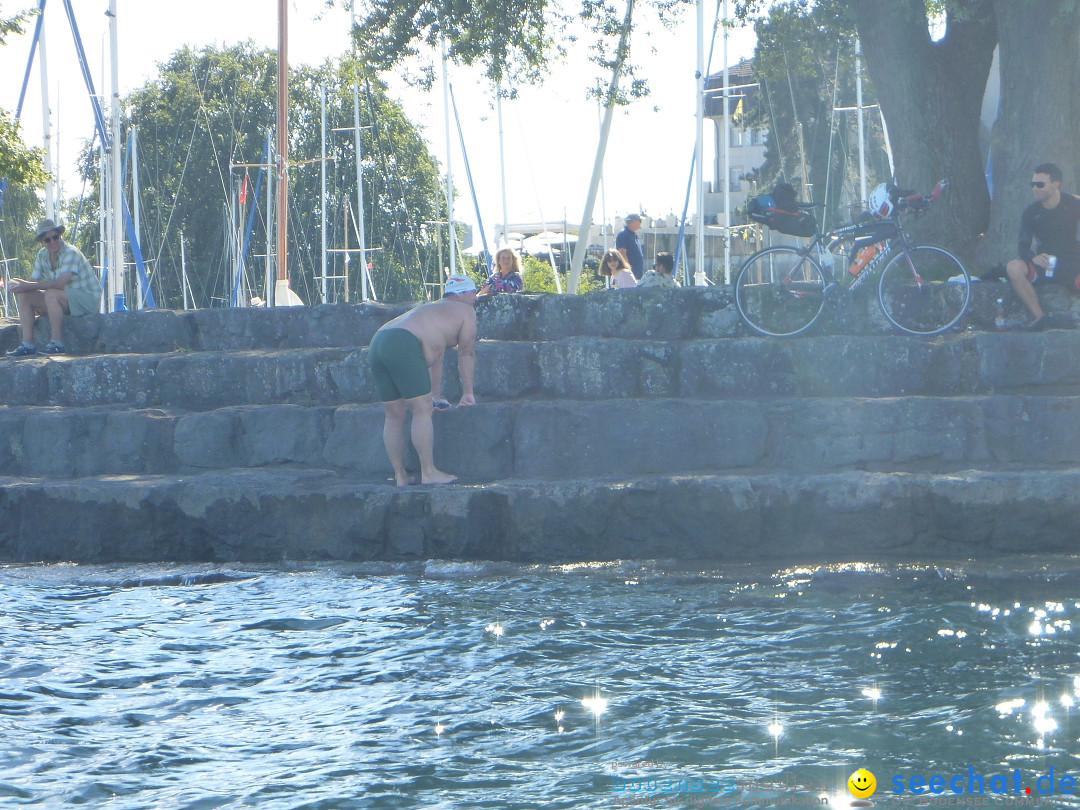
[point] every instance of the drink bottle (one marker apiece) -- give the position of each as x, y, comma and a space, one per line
863, 257
999, 315
1051, 263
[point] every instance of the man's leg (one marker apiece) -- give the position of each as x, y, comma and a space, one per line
423, 439
56, 306
30, 304
394, 438
1017, 270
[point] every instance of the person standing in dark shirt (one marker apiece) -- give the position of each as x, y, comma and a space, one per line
1049, 248
626, 242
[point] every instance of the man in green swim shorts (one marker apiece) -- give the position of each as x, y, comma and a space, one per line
405, 357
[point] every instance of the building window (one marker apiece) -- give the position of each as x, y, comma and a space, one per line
734, 184
759, 137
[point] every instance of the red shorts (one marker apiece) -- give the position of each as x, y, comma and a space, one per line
1070, 277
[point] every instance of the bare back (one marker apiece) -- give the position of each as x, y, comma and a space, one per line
438, 326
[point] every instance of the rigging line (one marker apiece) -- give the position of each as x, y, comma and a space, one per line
163, 243
680, 240
832, 128
390, 179
469, 177
377, 132
536, 193
775, 130
301, 251
798, 129
179, 190
213, 148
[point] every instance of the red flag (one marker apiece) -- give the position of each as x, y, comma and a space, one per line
243, 190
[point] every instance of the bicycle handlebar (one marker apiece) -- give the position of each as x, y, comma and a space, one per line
914, 201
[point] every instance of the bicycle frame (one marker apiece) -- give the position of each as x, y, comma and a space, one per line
910, 287
850, 233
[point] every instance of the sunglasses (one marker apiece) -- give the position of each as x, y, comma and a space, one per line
54, 237
1038, 183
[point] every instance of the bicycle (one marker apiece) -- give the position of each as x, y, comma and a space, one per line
924, 290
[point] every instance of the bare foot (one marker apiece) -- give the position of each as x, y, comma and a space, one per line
405, 481
438, 477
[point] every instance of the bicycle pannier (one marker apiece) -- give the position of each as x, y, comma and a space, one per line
778, 211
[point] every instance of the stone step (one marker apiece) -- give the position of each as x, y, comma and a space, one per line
681, 314
283, 515
571, 368
558, 440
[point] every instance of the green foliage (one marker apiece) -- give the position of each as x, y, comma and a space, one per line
513, 40
804, 59
15, 24
18, 163
538, 277
22, 210
209, 112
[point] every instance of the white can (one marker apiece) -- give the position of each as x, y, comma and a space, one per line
1051, 263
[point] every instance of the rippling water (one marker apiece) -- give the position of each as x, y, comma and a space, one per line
483, 686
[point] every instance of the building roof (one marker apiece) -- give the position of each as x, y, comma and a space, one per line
739, 76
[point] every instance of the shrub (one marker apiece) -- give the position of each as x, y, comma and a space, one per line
538, 277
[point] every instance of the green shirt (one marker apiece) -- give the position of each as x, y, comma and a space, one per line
83, 279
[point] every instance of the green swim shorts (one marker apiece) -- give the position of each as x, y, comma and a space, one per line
397, 364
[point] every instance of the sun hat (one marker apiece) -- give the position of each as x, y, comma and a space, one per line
47, 225
459, 284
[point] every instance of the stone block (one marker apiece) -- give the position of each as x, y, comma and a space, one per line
24, 382
282, 434
124, 441
354, 442
207, 440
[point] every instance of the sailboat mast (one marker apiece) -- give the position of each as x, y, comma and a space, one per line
364, 278
449, 173
859, 119
46, 128
700, 83
502, 173
116, 269
282, 138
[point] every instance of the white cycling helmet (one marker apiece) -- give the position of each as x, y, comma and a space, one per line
881, 204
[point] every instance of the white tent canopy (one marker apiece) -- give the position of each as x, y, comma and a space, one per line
545, 241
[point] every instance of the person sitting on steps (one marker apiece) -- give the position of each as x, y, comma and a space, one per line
1049, 229
63, 283
661, 274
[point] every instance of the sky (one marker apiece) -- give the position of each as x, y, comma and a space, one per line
550, 133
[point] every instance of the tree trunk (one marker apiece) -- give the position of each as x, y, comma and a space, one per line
931, 96
1037, 120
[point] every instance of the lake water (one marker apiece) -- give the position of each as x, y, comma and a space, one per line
448, 685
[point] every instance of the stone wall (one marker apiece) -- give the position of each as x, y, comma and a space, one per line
617, 424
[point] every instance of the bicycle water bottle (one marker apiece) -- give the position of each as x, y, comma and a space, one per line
1051, 263
999, 315
827, 260
863, 258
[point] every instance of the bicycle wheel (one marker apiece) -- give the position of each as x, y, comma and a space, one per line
924, 290
780, 292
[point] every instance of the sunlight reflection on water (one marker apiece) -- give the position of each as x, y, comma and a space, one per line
460, 685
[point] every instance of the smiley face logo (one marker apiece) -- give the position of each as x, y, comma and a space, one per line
862, 783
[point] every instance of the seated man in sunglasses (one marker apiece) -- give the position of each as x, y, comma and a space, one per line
1049, 246
63, 283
